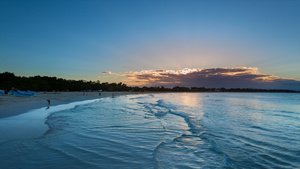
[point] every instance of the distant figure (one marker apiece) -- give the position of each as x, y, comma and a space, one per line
99, 94
49, 102
113, 95
83, 93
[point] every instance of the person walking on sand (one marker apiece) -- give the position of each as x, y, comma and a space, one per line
49, 102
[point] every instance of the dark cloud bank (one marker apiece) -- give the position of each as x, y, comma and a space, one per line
240, 77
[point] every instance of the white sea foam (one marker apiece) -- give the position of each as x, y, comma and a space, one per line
32, 123
184, 130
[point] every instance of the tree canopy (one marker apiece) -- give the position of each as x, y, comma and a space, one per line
44, 83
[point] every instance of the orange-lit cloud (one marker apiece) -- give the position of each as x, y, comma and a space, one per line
238, 77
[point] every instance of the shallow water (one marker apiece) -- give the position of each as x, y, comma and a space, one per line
179, 130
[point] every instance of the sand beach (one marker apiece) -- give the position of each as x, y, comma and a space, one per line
11, 105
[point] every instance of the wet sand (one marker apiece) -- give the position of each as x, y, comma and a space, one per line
12, 105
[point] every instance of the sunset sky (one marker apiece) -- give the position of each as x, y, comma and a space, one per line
216, 43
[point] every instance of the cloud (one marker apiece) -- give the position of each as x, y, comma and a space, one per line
106, 72
238, 77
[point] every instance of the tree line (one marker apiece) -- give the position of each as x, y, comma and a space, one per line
9, 81
45, 83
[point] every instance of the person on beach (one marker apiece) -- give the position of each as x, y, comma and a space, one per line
48, 104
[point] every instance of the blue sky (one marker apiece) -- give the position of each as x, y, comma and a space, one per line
80, 39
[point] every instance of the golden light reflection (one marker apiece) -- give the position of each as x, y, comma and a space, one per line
187, 100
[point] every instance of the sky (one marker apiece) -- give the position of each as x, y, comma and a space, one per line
155, 42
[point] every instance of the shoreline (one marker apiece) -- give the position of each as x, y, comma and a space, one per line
25, 117
12, 105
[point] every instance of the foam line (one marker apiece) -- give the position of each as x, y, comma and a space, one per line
31, 124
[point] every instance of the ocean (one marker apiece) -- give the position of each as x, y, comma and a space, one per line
169, 130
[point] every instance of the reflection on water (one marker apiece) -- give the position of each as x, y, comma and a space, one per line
187, 100
182, 130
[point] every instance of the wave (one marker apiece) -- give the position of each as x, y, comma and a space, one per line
159, 131
161, 108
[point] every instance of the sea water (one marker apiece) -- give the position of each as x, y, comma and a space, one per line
172, 130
